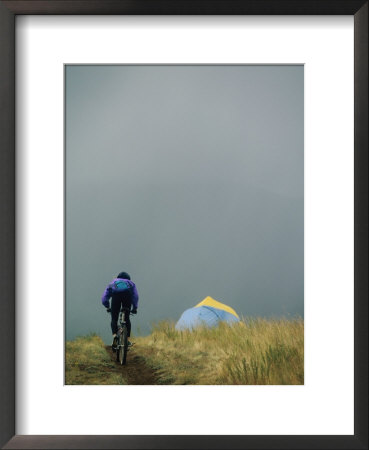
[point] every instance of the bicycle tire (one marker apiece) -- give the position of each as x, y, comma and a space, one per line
123, 347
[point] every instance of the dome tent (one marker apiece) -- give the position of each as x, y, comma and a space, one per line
209, 312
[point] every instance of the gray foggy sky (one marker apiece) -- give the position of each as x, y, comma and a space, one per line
190, 178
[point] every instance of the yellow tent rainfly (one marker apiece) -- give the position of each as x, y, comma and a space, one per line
209, 312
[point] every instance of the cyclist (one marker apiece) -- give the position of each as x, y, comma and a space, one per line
123, 293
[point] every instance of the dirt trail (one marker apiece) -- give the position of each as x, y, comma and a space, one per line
136, 371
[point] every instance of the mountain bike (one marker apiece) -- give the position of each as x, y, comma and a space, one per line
122, 336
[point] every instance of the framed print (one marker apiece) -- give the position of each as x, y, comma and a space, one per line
247, 150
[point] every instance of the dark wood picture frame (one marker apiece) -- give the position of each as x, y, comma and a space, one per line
8, 12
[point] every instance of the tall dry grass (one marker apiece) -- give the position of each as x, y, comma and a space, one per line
87, 362
253, 351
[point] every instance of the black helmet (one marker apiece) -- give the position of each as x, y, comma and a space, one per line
124, 275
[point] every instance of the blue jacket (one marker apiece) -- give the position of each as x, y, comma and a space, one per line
111, 290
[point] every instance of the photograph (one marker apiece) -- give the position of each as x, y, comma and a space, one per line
184, 224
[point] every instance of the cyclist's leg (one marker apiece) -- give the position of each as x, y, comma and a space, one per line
115, 308
128, 322
126, 303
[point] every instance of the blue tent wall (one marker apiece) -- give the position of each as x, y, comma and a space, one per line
204, 315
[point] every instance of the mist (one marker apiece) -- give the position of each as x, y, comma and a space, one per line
189, 178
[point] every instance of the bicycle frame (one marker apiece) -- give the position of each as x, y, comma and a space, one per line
122, 318
122, 346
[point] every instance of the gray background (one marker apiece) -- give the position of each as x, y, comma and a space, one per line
190, 178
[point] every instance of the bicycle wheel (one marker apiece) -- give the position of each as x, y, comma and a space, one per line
123, 346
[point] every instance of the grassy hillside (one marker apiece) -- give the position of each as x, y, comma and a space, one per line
88, 362
250, 352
